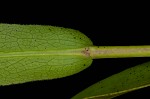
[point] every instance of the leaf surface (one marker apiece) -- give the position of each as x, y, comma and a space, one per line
128, 80
38, 52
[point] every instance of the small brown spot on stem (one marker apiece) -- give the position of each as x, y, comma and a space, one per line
86, 52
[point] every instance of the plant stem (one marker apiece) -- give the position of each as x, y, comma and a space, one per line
97, 52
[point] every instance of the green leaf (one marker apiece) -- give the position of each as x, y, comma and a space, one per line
128, 80
38, 52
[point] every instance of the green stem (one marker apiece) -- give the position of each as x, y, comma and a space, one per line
97, 52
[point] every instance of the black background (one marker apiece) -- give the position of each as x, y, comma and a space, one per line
104, 26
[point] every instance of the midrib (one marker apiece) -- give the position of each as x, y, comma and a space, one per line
78, 52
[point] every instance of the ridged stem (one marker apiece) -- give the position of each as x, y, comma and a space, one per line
97, 52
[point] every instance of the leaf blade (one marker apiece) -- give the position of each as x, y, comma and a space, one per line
40, 52
128, 80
